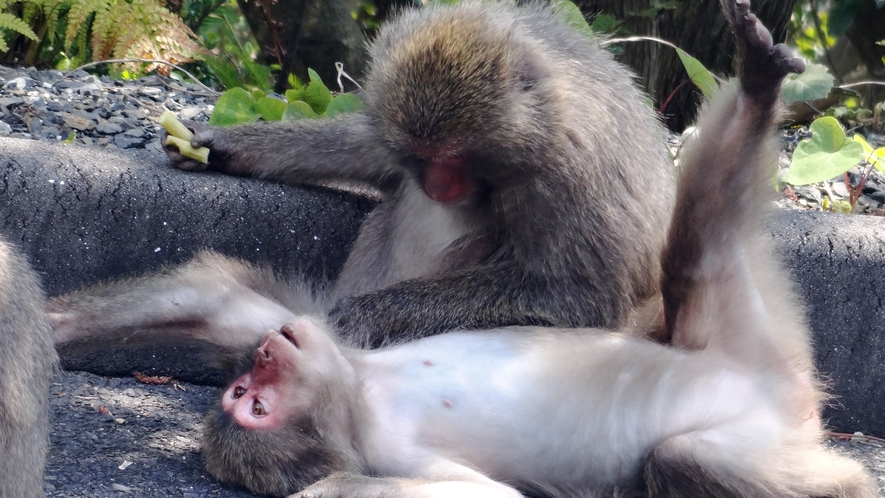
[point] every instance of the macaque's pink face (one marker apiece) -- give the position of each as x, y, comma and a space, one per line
290, 367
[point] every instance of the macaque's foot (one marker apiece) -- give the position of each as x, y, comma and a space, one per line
763, 64
204, 136
345, 485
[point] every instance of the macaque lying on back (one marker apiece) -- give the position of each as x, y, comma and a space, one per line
730, 409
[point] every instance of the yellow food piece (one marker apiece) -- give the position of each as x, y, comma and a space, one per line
184, 147
174, 126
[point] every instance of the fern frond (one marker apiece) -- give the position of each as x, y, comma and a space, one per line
106, 27
52, 9
77, 16
9, 21
152, 32
30, 8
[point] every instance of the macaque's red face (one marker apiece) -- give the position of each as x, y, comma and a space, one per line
290, 368
447, 179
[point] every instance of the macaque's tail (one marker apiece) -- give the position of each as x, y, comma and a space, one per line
721, 289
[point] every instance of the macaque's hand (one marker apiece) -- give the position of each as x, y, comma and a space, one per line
349, 316
763, 64
345, 485
204, 136
373, 320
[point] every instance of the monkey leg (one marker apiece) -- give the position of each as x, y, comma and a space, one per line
742, 460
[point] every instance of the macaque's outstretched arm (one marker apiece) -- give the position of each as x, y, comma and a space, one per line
346, 148
469, 299
213, 298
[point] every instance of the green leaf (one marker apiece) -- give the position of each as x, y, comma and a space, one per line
316, 94
605, 23
344, 103
271, 109
294, 95
298, 110
257, 94
235, 106
825, 155
815, 83
875, 157
9, 21
572, 15
699, 75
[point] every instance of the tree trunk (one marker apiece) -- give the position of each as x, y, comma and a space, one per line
322, 32
867, 30
696, 26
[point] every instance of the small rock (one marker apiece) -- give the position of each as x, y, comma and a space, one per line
50, 132
189, 112
19, 83
840, 189
77, 122
135, 132
8, 102
5, 129
56, 106
34, 125
123, 141
108, 128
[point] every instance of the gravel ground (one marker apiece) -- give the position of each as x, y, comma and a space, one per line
120, 437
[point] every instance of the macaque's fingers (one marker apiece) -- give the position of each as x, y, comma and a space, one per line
203, 136
763, 64
174, 155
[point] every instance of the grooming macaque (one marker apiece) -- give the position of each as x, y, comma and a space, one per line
27, 361
729, 410
524, 179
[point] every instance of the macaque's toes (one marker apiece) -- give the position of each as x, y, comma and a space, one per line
763, 64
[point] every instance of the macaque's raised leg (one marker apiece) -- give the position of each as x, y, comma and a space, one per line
723, 294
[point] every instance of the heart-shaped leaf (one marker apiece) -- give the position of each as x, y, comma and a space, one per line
235, 106
825, 155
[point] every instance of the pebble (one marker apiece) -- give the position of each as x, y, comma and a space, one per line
46, 105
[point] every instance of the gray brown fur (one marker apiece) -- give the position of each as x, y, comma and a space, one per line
27, 361
574, 180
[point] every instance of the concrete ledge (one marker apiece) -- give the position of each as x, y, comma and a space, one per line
838, 262
86, 214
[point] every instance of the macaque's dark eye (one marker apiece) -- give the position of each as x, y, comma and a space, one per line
258, 408
239, 391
